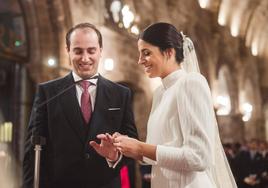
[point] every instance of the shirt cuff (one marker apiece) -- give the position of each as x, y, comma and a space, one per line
149, 161
113, 164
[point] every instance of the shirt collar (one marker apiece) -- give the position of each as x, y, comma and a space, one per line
93, 80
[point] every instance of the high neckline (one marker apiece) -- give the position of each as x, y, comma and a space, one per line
170, 79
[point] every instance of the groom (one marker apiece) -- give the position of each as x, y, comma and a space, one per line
74, 118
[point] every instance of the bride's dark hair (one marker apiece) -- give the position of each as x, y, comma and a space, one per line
164, 36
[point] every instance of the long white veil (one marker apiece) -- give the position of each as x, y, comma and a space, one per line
220, 171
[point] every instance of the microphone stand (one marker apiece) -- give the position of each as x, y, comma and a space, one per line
38, 142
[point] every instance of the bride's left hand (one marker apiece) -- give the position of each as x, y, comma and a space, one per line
129, 147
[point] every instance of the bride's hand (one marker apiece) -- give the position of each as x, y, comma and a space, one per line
129, 147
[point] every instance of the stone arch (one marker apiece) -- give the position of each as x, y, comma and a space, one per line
250, 73
225, 76
46, 35
228, 120
249, 108
223, 87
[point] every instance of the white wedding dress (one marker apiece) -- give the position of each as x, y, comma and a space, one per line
182, 125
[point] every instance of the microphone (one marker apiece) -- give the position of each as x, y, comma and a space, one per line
64, 90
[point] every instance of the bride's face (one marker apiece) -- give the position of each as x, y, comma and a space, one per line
151, 58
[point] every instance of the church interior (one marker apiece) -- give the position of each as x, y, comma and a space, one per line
230, 38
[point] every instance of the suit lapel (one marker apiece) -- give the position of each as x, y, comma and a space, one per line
103, 97
71, 108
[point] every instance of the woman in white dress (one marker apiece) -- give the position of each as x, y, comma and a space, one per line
183, 142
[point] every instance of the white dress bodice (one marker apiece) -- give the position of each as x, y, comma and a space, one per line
180, 132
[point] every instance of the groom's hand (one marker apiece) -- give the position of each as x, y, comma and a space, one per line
105, 148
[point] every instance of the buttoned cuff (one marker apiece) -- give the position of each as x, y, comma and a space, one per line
113, 164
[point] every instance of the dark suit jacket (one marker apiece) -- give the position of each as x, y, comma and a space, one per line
245, 166
67, 160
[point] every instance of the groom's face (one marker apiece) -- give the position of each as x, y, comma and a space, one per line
84, 52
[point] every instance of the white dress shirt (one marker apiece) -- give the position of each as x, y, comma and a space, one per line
91, 89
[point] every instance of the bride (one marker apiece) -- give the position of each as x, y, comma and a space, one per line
183, 144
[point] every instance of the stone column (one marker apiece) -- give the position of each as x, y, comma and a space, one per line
231, 128
255, 128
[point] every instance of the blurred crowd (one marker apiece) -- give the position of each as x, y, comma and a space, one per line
249, 163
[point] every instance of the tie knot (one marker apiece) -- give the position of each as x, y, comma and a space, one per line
84, 84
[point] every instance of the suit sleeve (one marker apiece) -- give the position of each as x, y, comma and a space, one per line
128, 128
37, 127
196, 118
128, 125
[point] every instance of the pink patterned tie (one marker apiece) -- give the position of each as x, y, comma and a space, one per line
85, 101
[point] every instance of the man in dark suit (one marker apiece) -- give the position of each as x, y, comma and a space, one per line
71, 120
248, 164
